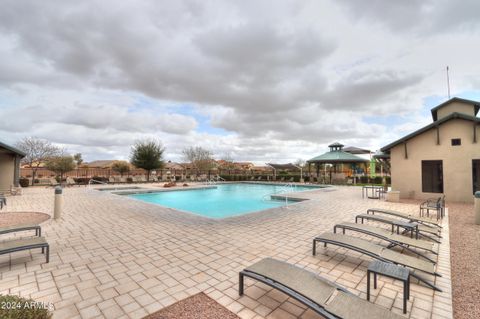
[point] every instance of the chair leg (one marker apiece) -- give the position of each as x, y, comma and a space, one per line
240, 284
48, 254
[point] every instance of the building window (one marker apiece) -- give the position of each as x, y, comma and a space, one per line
456, 141
432, 177
476, 175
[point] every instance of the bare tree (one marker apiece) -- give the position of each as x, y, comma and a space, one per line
37, 151
228, 159
200, 158
300, 163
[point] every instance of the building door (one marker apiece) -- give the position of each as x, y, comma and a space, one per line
476, 175
432, 177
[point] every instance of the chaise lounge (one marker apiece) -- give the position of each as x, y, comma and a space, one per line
321, 295
420, 229
392, 238
421, 220
378, 252
22, 227
11, 246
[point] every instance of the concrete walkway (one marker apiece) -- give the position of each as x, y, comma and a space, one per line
113, 257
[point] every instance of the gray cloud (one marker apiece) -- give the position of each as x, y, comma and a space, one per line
423, 17
275, 75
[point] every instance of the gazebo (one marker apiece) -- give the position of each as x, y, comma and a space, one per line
334, 157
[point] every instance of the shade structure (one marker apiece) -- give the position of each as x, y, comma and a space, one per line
356, 150
288, 166
381, 155
336, 155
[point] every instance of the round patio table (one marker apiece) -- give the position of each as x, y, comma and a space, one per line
374, 190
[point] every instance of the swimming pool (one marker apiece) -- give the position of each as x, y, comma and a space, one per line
224, 200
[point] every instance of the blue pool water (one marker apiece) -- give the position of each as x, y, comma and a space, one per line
223, 201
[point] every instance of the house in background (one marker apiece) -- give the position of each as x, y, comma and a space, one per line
9, 166
442, 157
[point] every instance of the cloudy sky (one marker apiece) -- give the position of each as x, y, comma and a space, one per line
260, 80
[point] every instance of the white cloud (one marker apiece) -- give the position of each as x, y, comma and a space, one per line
283, 79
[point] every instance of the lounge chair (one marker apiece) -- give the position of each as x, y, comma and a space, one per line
53, 182
319, 294
421, 220
392, 238
71, 181
21, 227
11, 246
408, 227
418, 228
378, 252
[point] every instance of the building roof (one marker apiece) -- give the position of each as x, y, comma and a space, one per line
173, 165
454, 115
282, 166
356, 150
12, 149
101, 163
454, 99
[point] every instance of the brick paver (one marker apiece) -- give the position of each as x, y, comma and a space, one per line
114, 257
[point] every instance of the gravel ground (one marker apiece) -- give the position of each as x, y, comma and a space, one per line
199, 306
15, 218
465, 259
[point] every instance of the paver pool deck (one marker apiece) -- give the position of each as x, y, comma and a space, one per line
114, 257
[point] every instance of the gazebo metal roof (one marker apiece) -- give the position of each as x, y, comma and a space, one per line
337, 155
282, 166
356, 150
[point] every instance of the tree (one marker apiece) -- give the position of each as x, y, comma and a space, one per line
78, 159
200, 158
121, 167
60, 164
147, 154
37, 152
300, 163
227, 158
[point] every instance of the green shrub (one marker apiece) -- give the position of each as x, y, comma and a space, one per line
364, 179
129, 180
14, 307
24, 182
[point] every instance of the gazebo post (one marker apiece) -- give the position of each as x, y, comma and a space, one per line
318, 171
309, 172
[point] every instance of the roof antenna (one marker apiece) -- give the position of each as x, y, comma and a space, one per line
448, 84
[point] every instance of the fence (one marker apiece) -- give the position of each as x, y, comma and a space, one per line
85, 174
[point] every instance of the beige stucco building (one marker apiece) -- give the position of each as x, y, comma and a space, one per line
9, 166
442, 157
